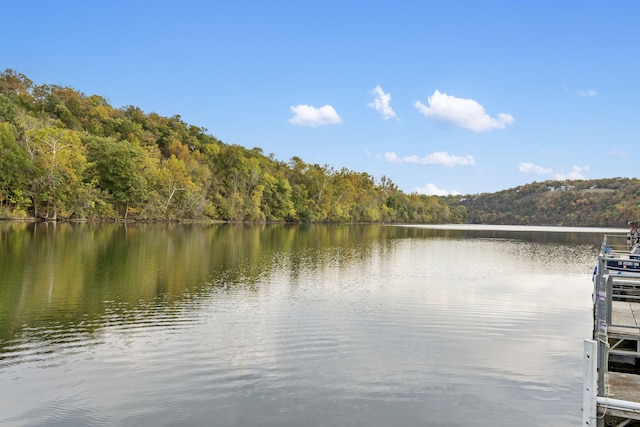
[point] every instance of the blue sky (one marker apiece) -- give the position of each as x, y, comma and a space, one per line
442, 97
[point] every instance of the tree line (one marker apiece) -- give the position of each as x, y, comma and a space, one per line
610, 202
66, 155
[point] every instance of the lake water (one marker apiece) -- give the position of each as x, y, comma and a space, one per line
231, 325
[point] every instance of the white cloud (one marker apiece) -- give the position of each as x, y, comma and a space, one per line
438, 158
307, 115
381, 103
432, 190
576, 173
465, 113
589, 92
530, 168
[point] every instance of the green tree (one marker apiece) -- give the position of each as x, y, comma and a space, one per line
175, 183
7, 109
276, 200
117, 166
14, 169
59, 164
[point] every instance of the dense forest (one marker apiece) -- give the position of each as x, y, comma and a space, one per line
68, 156
610, 202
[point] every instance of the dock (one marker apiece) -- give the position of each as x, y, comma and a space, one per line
611, 391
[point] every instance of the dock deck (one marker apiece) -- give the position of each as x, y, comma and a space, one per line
626, 317
624, 386
611, 394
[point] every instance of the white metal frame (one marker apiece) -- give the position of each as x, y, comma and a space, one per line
596, 399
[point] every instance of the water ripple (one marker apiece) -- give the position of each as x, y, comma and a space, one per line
336, 338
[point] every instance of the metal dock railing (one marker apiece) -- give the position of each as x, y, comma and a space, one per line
611, 392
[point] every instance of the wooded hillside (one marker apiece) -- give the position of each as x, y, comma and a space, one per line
66, 155
587, 203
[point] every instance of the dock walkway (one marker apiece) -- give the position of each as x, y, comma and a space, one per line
611, 393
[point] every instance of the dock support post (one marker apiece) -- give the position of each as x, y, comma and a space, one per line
590, 387
603, 284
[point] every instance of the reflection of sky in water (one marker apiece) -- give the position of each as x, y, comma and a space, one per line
414, 331
503, 331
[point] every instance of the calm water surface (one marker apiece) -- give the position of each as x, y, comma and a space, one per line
151, 325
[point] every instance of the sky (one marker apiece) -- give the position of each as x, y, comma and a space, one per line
455, 97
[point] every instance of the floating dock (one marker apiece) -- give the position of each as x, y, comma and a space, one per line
611, 392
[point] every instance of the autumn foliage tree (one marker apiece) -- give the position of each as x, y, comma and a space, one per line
59, 166
66, 155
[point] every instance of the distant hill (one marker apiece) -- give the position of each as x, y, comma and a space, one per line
610, 202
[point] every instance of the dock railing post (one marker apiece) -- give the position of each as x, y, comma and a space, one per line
590, 386
600, 323
609, 294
